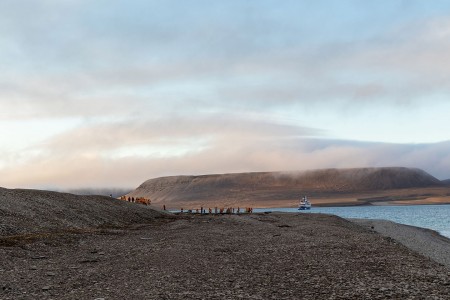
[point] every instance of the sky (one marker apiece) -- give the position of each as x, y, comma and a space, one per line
110, 93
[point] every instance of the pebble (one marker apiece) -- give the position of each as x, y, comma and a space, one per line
39, 257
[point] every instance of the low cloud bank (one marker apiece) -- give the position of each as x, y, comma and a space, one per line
223, 154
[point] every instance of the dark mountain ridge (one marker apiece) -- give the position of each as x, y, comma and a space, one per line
446, 182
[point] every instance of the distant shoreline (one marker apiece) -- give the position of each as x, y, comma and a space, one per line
385, 198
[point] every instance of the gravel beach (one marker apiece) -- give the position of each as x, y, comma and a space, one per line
424, 241
259, 256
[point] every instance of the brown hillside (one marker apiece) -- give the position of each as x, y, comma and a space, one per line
279, 186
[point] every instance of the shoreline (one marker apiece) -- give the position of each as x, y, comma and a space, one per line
281, 198
364, 203
289, 204
424, 241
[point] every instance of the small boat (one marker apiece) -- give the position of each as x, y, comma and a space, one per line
304, 204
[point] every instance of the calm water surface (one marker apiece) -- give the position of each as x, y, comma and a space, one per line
436, 217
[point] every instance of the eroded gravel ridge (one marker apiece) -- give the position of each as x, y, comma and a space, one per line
35, 211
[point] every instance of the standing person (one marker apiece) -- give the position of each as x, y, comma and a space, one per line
164, 207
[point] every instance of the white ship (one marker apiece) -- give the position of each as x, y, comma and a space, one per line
304, 204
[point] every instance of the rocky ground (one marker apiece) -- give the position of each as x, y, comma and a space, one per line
259, 256
34, 212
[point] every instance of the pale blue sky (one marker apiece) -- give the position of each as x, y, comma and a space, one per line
111, 93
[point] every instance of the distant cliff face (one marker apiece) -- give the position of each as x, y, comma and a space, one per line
267, 186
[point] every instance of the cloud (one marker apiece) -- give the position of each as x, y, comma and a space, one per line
101, 137
154, 88
126, 154
256, 157
409, 62
132, 142
101, 59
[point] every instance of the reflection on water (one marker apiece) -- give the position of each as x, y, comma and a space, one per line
436, 217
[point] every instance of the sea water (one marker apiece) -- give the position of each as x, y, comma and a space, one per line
435, 217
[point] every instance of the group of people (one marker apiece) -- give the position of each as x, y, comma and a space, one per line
140, 200
221, 210
202, 210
